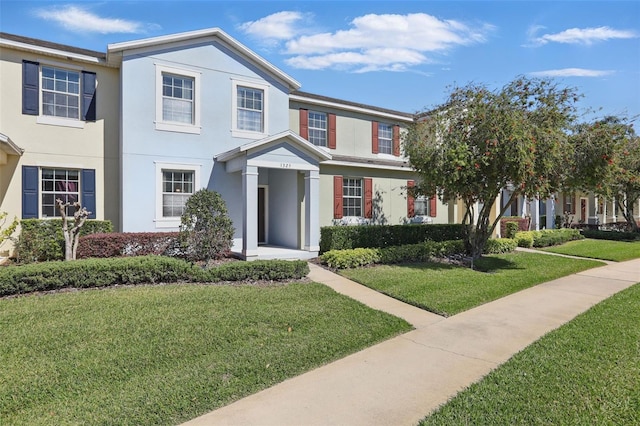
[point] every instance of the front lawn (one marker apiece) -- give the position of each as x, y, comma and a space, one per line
447, 290
586, 372
600, 249
166, 354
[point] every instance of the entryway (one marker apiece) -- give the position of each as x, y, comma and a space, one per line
263, 208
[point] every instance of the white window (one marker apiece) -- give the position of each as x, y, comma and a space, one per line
421, 206
385, 138
351, 197
250, 112
175, 183
60, 93
58, 183
249, 117
318, 128
177, 100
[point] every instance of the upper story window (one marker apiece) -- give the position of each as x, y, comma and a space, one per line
250, 109
177, 100
318, 128
62, 95
385, 138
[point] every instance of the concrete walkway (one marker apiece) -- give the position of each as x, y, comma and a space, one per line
399, 381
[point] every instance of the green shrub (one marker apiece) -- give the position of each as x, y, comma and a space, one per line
510, 229
376, 236
611, 235
206, 230
350, 258
547, 237
86, 273
41, 240
500, 245
524, 239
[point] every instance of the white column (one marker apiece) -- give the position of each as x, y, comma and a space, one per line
604, 210
312, 210
250, 212
613, 210
534, 209
551, 212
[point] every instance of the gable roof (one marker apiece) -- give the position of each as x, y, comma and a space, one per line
115, 50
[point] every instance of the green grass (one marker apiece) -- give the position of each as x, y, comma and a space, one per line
600, 249
448, 290
585, 373
166, 354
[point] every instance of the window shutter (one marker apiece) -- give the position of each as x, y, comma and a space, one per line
304, 123
374, 137
411, 212
29, 192
30, 88
88, 199
573, 204
396, 140
433, 203
337, 197
88, 96
368, 198
332, 131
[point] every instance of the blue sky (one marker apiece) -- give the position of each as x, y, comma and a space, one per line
401, 55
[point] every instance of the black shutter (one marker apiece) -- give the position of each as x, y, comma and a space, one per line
88, 96
29, 192
30, 87
88, 199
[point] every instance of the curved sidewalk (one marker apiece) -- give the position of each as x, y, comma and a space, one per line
399, 381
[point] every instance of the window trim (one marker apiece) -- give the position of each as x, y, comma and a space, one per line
380, 139
172, 126
345, 196
248, 134
41, 192
326, 129
172, 222
52, 120
427, 204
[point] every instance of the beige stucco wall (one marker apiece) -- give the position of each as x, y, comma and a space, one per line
93, 147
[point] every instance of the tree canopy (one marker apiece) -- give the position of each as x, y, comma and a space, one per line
481, 141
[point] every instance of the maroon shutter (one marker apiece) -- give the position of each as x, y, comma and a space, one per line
332, 131
368, 198
374, 137
433, 202
396, 141
574, 201
304, 123
337, 197
411, 212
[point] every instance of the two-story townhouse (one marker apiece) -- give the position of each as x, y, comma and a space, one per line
366, 179
58, 129
200, 110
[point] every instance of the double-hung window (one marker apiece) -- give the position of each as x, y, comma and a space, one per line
318, 128
421, 206
58, 94
177, 187
250, 109
385, 138
60, 184
177, 100
352, 197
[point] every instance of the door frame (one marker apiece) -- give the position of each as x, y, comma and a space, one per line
265, 219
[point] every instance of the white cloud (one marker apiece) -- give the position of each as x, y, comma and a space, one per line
78, 19
372, 43
279, 26
571, 72
585, 36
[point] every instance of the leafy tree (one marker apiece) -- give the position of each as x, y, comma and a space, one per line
206, 231
481, 141
606, 160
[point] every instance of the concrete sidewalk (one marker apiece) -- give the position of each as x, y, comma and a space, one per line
399, 381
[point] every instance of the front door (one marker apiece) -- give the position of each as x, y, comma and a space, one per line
262, 214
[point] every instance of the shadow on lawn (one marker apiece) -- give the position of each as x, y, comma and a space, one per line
484, 264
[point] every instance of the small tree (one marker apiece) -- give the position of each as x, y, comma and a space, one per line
481, 141
606, 160
206, 231
71, 232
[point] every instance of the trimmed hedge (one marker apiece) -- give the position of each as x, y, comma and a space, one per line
377, 236
41, 240
501, 245
611, 235
547, 237
119, 244
138, 270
